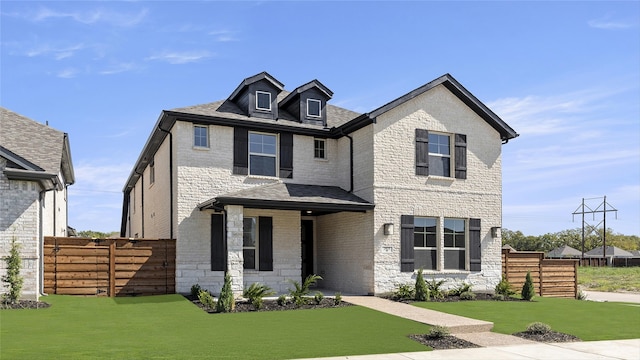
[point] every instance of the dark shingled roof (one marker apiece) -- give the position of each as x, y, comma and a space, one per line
35, 144
611, 251
292, 197
564, 251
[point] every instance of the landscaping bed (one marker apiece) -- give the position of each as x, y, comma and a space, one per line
24, 304
272, 305
443, 343
548, 337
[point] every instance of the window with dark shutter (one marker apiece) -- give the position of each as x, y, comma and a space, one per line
460, 156
218, 250
265, 243
422, 152
475, 243
406, 243
240, 151
286, 155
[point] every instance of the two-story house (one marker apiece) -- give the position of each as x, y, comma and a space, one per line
35, 171
272, 185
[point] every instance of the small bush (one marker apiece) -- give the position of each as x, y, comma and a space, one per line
299, 291
318, 297
435, 289
498, 297
337, 299
404, 292
467, 295
255, 292
438, 332
538, 328
462, 288
421, 293
206, 299
527, 289
504, 288
195, 290
581, 295
226, 302
282, 300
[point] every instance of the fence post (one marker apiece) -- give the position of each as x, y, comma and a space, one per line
540, 261
112, 268
575, 279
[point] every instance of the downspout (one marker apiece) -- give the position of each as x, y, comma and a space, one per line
170, 180
141, 203
350, 159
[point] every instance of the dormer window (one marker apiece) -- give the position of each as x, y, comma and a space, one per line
263, 100
314, 107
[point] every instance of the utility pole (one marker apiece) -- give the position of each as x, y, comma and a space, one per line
601, 208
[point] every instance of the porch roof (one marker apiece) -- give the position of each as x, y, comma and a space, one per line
315, 199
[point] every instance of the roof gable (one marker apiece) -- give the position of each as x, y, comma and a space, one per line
254, 79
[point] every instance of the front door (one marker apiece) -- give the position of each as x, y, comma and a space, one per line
306, 238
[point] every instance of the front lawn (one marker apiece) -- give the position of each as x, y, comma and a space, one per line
171, 327
587, 320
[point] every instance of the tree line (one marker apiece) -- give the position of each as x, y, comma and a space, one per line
571, 237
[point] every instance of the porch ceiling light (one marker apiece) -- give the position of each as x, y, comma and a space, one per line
388, 229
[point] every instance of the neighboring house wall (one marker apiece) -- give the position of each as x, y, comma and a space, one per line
54, 212
399, 191
19, 214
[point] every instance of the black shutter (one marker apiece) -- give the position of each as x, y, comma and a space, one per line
265, 243
461, 156
475, 254
406, 243
422, 152
218, 251
240, 151
286, 155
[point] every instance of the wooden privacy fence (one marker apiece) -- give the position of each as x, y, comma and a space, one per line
551, 277
109, 267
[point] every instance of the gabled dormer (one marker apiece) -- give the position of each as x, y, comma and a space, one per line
308, 103
257, 96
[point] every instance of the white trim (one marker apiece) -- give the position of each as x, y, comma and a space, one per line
276, 156
255, 247
450, 156
263, 92
319, 108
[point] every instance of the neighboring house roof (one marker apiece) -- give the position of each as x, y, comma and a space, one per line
35, 150
610, 251
319, 199
508, 247
635, 253
564, 251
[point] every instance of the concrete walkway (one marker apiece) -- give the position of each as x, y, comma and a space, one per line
627, 297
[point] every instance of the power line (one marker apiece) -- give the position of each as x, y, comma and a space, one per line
600, 209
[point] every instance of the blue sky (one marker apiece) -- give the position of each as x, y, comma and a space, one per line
564, 75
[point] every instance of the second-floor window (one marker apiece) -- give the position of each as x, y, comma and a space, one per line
319, 148
439, 155
263, 154
263, 100
200, 136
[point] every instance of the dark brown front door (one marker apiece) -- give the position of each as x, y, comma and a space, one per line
306, 237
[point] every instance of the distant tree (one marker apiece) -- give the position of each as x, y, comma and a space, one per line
570, 237
97, 234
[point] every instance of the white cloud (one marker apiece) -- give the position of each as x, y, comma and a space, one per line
607, 23
89, 17
118, 68
57, 53
68, 73
184, 57
223, 35
101, 176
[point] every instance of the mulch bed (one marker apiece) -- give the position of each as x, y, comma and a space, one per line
272, 305
548, 337
24, 304
443, 343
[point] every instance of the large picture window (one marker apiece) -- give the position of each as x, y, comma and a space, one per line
263, 151
428, 238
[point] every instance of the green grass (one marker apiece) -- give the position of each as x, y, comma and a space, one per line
170, 327
609, 278
587, 320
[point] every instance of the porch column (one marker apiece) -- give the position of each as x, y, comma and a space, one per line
235, 259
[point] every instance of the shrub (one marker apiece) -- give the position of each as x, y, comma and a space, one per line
404, 292
318, 297
538, 328
282, 300
255, 292
422, 293
206, 299
527, 289
337, 299
195, 290
467, 295
581, 295
498, 297
504, 288
462, 288
226, 302
12, 278
435, 289
438, 332
301, 290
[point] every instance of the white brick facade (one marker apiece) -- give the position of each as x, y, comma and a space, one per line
351, 251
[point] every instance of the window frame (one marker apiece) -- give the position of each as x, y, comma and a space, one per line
256, 246
425, 235
317, 149
258, 93
465, 248
319, 108
449, 156
441, 248
196, 136
276, 155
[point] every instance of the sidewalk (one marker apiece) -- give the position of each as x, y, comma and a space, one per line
613, 297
